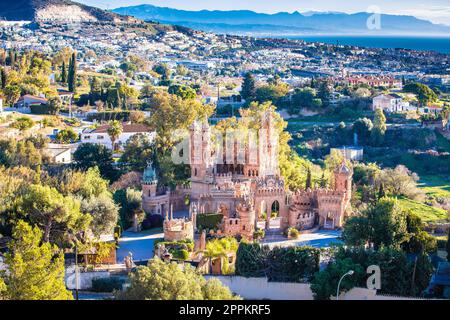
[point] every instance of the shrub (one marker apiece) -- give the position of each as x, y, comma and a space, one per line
181, 254
107, 284
293, 264
209, 220
259, 234
251, 260
152, 221
293, 233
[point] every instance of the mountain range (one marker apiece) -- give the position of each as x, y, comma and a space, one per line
282, 23
56, 10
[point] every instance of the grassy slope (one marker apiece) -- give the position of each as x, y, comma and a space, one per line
435, 186
427, 213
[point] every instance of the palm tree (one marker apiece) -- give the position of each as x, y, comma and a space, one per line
114, 131
219, 249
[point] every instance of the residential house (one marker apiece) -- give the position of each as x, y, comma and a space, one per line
65, 96
389, 103
26, 101
59, 155
100, 135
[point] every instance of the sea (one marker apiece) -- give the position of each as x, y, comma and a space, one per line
420, 43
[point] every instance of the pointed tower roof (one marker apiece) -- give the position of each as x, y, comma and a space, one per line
149, 175
343, 168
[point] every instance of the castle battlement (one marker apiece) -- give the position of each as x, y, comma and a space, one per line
243, 193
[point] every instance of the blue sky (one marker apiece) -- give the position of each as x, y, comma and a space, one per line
437, 11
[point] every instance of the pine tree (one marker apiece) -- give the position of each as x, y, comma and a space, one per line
308, 179
248, 91
35, 269
63, 73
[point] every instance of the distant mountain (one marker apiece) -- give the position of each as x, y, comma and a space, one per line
245, 22
56, 10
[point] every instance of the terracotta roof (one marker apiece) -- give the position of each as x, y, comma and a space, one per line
32, 97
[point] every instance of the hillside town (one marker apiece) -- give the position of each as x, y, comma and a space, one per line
225, 163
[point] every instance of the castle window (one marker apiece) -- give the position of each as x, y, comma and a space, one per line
195, 172
231, 222
243, 228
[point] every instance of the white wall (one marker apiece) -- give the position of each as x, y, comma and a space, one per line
260, 288
84, 278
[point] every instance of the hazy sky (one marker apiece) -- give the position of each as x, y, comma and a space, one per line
437, 11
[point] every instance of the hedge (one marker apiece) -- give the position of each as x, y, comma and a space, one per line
209, 220
180, 254
292, 264
39, 109
186, 244
109, 115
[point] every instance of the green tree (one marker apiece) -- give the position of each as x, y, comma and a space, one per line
114, 131
424, 94
54, 213
324, 284
363, 127
72, 74
383, 223
163, 70
89, 155
308, 179
184, 92
35, 270
167, 281
104, 212
248, 91
63, 72
137, 152
54, 104
67, 136
379, 128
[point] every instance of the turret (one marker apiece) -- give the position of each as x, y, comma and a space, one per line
149, 181
343, 180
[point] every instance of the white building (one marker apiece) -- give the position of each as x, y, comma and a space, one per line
100, 135
59, 155
389, 103
352, 153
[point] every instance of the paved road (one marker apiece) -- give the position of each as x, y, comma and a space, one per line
139, 244
319, 239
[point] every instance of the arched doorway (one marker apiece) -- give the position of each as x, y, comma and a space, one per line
275, 209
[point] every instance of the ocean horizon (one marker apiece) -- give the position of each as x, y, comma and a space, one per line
439, 44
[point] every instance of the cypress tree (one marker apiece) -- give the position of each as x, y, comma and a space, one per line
323, 181
63, 73
381, 192
72, 76
308, 179
248, 91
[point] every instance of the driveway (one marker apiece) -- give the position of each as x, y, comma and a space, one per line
140, 244
318, 239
